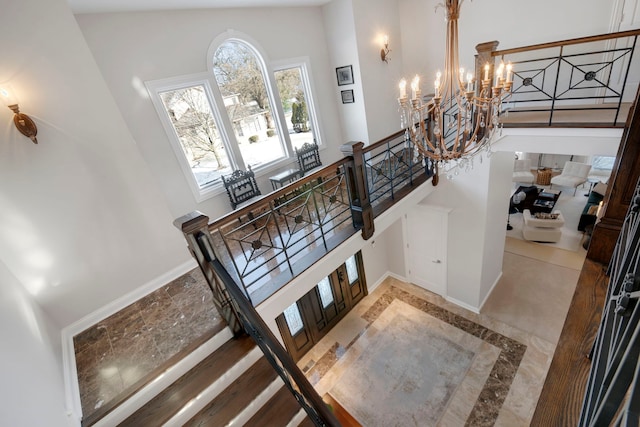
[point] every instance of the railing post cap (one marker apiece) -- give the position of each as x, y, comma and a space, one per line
487, 46
191, 222
347, 148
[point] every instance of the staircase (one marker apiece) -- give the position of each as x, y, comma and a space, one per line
227, 381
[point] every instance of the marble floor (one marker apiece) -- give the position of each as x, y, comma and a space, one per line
125, 350
512, 339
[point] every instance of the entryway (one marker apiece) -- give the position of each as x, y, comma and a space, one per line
310, 318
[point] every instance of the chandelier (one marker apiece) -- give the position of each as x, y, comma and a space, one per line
462, 117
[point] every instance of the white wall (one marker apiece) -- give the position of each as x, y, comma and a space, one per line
131, 48
498, 194
468, 267
586, 142
340, 36
513, 23
82, 221
373, 19
32, 387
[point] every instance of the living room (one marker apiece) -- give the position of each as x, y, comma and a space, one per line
548, 202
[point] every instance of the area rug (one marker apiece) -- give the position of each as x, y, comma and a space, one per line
405, 378
571, 207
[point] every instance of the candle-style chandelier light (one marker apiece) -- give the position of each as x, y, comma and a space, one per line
462, 117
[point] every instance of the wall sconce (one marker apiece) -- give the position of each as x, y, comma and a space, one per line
384, 52
25, 125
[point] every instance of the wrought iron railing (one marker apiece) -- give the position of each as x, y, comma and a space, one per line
265, 245
243, 316
571, 82
613, 389
392, 165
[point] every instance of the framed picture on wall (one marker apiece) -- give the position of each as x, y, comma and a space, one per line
345, 75
347, 96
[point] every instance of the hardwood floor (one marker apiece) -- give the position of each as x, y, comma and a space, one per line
563, 390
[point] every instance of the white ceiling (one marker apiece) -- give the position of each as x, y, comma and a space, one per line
98, 6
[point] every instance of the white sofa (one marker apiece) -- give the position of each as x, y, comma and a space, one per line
542, 230
522, 171
573, 174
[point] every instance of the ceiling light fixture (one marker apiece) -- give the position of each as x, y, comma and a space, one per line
461, 118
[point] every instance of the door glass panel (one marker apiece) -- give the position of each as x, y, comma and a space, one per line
325, 292
293, 318
352, 269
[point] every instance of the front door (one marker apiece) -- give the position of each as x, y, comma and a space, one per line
310, 318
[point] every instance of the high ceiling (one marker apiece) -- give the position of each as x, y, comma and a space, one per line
98, 6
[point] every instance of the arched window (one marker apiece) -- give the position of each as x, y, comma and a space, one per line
248, 101
237, 115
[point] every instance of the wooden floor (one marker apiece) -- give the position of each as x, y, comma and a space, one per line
563, 391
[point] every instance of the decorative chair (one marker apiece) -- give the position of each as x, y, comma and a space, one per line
241, 187
522, 171
573, 174
308, 157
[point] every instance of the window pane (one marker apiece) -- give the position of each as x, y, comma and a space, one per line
190, 113
352, 269
294, 103
293, 318
325, 292
603, 162
247, 100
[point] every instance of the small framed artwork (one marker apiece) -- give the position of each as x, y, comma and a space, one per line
347, 96
345, 75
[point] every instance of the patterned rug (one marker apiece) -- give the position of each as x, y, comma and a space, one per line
417, 370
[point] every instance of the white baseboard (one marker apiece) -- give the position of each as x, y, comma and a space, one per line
490, 291
72, 390
463, 305
397, 276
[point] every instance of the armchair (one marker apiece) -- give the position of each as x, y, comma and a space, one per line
522, 171
573, 174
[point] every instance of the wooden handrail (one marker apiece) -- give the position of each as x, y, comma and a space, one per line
238, 213
579, 40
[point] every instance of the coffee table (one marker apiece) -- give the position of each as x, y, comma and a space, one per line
537, 200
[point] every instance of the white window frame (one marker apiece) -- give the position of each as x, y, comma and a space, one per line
224, 126
155, 87
274, 97
304, 64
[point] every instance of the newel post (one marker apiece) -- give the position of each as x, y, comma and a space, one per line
361, 211
195, 228
484, 57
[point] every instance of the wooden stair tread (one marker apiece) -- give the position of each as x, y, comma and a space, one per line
236, 397
278, 411
166, 404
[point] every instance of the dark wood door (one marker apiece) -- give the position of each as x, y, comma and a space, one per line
308, 320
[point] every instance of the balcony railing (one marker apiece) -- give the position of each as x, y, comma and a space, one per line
581, 82
268, 243
252, 252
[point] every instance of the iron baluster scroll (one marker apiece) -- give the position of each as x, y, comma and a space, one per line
613, 390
